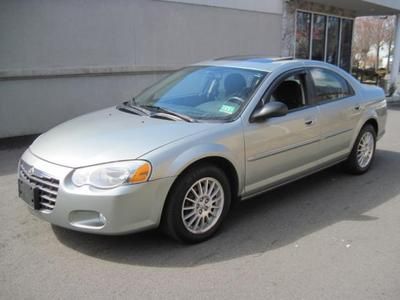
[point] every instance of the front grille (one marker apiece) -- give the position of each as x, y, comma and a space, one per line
46, 184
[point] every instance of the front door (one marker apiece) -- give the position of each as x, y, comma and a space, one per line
283, 147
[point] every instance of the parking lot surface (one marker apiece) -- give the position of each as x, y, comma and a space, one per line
327, 236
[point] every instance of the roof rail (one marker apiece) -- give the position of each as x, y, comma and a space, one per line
255, 58
282, 58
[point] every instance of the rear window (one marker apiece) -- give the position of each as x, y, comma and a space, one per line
329, 85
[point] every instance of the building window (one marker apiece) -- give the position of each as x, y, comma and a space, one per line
345, 45
332, 47
303, 35
324, 37
318, 37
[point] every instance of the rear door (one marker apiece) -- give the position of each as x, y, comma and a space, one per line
282, 147
339, 112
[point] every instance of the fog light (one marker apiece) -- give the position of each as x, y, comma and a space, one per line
87, 219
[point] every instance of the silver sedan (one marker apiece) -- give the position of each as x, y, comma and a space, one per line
184, 150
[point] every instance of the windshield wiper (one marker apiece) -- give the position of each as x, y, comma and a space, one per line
169, 112
133, 108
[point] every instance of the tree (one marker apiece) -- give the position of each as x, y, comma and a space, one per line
362, 41
372, 33
390, 25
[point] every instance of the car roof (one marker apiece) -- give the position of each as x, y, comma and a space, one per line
260, 63
278, 64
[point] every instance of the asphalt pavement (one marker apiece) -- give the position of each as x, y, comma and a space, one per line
327, 236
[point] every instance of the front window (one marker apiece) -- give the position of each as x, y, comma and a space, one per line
203, 92
291, 91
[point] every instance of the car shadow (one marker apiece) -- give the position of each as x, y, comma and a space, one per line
267, 222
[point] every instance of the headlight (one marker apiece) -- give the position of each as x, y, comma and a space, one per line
111, 175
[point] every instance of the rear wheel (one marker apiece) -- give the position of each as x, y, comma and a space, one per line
363, 151
197, 204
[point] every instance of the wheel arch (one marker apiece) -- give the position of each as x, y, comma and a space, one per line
372, 122
370, 118
224, 164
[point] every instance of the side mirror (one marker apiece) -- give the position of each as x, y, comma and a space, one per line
269, 110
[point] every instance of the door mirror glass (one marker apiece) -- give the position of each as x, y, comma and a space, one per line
269, 110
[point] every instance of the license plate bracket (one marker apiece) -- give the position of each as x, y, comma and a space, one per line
29, 194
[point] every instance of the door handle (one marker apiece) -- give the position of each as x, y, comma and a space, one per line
357, 107
309, 122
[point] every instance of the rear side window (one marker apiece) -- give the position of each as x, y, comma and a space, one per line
329, 85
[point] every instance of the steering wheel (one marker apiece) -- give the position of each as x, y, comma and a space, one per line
235, 99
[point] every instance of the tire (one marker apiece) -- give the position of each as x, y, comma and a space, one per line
192, 218
356, 163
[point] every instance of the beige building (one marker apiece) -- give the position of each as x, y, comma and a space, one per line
59, 59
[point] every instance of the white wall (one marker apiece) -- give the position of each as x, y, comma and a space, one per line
33, 106
45, 37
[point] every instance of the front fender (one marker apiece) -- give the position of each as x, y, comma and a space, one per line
173, 159
199, 152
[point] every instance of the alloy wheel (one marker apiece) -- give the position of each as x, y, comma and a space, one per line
203, 205
365, 149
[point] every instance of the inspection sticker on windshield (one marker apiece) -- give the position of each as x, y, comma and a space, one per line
227, 109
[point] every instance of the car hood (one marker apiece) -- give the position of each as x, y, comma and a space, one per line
109, 135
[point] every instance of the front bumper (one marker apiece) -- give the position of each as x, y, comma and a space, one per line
125, 209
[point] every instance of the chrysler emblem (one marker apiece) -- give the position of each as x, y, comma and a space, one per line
31, 171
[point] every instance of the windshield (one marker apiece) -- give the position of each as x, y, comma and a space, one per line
202, 92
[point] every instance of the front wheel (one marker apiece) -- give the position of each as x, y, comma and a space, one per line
197, 204
363, 151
